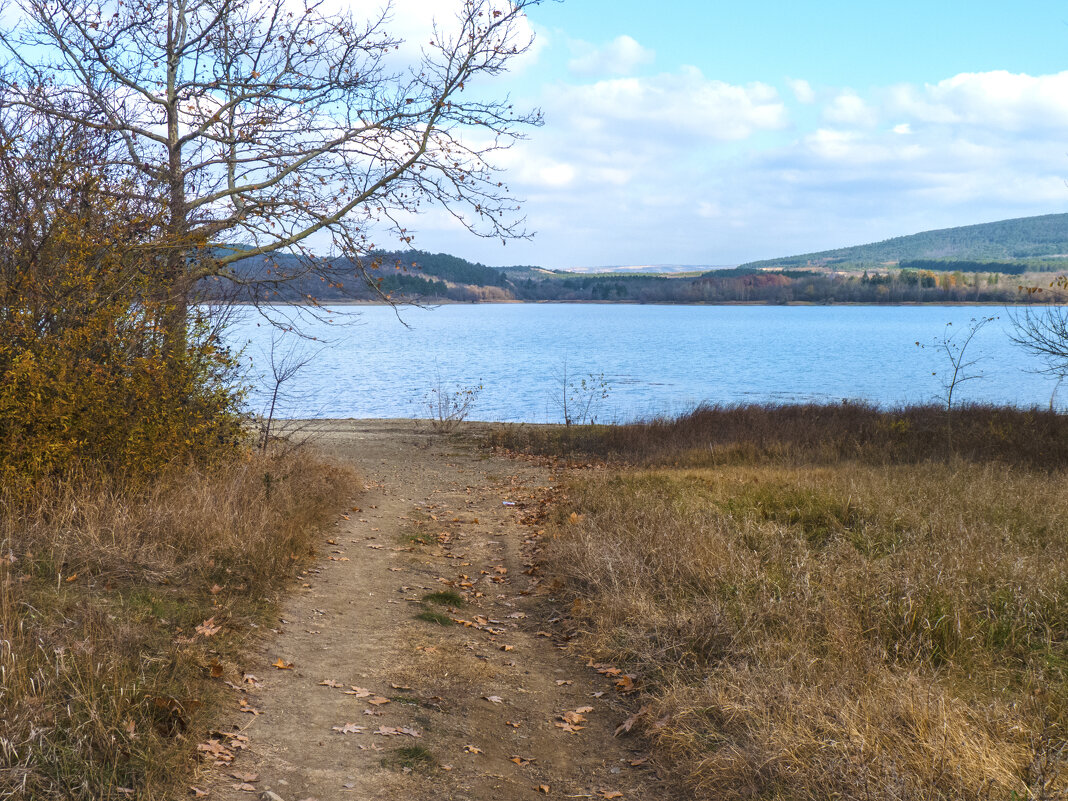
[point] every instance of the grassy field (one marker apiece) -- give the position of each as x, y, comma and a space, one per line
124, 608
829, 602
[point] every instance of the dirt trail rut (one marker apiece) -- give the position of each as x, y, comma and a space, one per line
380, 704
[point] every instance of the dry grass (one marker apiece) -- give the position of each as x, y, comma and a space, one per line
824, 628
106, 684
813, 433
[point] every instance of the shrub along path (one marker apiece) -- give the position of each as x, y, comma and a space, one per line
419, 658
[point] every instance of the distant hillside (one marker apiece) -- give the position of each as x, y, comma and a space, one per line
1023, 238
402, 274
816, 278
442, 265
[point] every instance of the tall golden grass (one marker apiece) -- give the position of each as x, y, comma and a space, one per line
105, 683
814, 628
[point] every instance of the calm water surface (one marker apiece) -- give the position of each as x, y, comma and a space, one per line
655, 359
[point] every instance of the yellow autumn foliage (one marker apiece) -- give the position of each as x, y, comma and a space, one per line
85, 377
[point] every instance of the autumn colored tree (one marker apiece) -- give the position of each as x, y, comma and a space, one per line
85, 372
257, 127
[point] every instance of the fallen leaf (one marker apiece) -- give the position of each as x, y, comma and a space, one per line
521, 761
569, 727
507, 647
244, 787
215, 668
494, 699
513, 725
543, 788
628, 724
349, 728
636, 762
198, 793
399, 686
72, 577
208, 628
359, 692
214, 749
377, 700
472, 749
563, 682
573, 717
393, 731
330, 683
246, 777
625, 684
610, 793
281, 664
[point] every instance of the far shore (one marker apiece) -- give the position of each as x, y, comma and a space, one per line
432, 303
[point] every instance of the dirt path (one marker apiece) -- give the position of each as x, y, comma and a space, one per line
380, 704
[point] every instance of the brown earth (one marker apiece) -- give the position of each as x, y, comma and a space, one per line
477, 709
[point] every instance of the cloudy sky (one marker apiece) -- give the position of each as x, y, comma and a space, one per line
700, 132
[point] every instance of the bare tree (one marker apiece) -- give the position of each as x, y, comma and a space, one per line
955, 348
450, 406
1044, 332
260, 127
577, 398
961, 367
283, 365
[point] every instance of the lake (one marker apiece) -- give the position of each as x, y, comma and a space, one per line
654, 359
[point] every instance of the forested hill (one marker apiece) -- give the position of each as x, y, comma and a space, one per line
979, 263
440, 265
402, 274
1023, 238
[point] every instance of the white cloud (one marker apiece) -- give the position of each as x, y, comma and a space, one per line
996, 100
849, 108
413, 22
622, 56
683, 103
682, 168
555, 175
803, 91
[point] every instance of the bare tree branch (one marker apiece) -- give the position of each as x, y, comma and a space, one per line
264, 126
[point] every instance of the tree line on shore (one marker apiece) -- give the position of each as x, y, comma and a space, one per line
437, 277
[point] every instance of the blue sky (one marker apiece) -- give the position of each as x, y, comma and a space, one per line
714, 133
